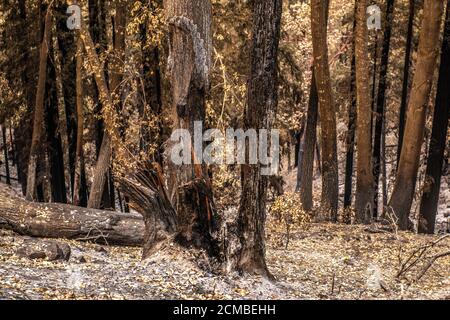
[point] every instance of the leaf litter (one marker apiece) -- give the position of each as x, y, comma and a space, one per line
324, 261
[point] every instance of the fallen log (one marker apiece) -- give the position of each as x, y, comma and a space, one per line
54, 220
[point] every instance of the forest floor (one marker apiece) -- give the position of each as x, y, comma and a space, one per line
326, 261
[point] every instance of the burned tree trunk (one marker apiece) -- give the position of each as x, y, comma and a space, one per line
104, 158
364, 178
259, 114
55, 154
147, 195
79, 185
52, 220
435, 162
38, 122
405, 182
406, 71
351, 127
190, 40
327, 112
381, 102
68, 48
5, 153
100, 196
152, 89
306, 166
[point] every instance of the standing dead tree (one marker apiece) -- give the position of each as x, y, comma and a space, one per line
406, 178
38, 122
364, 180
189, 63
327, 112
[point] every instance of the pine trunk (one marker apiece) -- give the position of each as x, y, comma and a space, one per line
406, 84
55, 155
381, 102
364, 178
38, 121
327, 112
5, 153
190, 38
403, 193
306, 167
430, 197
259, 114
79, 185
68, 47
351, 128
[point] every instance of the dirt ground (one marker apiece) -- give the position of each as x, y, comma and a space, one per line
325, 261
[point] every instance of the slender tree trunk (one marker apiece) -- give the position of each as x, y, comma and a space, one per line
5, 152
13, 148
102, 179
68, 47
152, 90
23, 129
300, 156
104, 158
381, 101
364, 177
406, 71
306, 169
351, 128
306, 166
38, 122
403, 193
98, 29
259, 114
327, 112
79, 186
430, 197
384, 168
55, 155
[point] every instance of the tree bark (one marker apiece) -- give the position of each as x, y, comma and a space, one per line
52, 220
406, 71
55, 155
351, 127
327, 112
152, 90
364, 177
262, 99
22, 130
98, 30
38, 122
435, 162
306, 169
381, 101
146, 191
5, 153
403, 193
67, 45
104, 158
79, 185
190, 43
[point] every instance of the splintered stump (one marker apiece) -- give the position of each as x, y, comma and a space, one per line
147, 195
188, 226
52, 220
